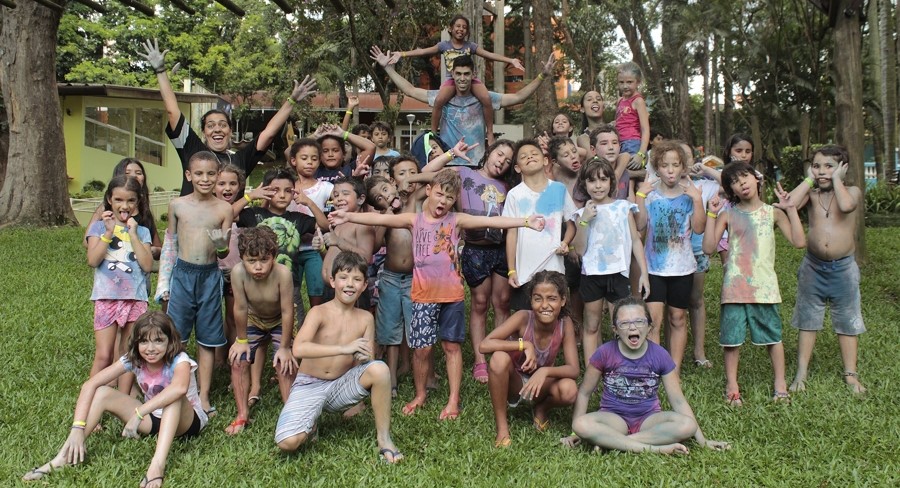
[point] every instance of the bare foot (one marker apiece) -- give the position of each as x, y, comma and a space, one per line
411, 407
570, 441
236, 426
355, 410
670, 449
798, 385
852, 380
39, 472
449, 413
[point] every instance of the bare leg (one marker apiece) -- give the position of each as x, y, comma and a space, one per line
421, 364
222, 351
481, 93
664, 428
256, 371
591, 335
500, 298
502, 380
677, 336
126, 380
392, 356
240, 388
609, 431
377, 379
453, 357
656, 315
731, 358
105, 347
481, 294
806, 341
445, 93
404, 366
848, 345
176, 419
776, 354
698, 320
554, 393
206, 356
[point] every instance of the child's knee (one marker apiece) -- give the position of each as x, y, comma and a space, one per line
451, 347
568, 390
378, 371
499, 362
293, 442
582, 426
239, 366
677, 318
686, 427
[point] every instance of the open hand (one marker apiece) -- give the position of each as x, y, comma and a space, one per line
262, 193
840, 172
284, 361
359, 348
784, 198
636, 162
156, 59
236, 351
337, 217
515, 63
219, 237
717, 445
352, 102
532, 388
303, 89
384, 59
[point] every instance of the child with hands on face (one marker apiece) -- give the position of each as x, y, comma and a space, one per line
523, 356
631, 369
171, 406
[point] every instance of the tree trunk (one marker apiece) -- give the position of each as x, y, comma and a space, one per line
474, 11
527, 57
888, 85
34, 190
707, 97
848, 103
545, 97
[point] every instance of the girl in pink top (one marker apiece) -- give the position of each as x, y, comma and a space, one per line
524, 351
632, 118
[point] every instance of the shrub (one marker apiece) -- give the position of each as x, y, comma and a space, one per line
883, 198
94, 185
158, 188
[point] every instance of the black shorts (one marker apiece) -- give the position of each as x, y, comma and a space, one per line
193, 430
479, 262
674, 291
519, 299
610, 287
573, 274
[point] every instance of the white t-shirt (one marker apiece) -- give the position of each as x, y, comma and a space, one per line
152, 383
319, 194
536, 251
668, 243
609, 242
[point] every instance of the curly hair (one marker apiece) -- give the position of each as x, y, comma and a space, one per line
258, 241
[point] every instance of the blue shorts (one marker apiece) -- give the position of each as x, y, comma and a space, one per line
394, 313
630, 146
430, 320
820, 282
763, 320
309, 264
195, 299
702, 262
479, 262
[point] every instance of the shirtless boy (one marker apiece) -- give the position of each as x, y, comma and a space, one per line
202, 223
828, 272
348, 194
337, 371
263, 311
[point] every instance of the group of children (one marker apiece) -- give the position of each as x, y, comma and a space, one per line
548, 233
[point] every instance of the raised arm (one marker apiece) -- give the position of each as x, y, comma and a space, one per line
499, 58
788, 220
352, 103
157, 61
273, 128
397, 221
384, 59
422, 51
509, 99
715, 224
847, 198
466, 221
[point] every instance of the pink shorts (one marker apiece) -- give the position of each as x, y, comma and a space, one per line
722, 246
111, 312
450, 82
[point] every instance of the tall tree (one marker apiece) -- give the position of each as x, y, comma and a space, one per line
545, 97
34, 187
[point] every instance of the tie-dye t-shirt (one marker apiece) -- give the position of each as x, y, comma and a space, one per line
152, 383
481, 196
631, 386
609, 242
463, 118
437, 277
750, 269
536, 251
668, 243
119, 276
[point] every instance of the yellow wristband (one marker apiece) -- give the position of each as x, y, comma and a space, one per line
510, 272
583, 223
138, 413
242, 341
247, 197
349, 112
809, 181
105, 239
541, 76
79, 423
346, 135
292, 101
402, 54
710, 214
521, 344
220, 250
639, 194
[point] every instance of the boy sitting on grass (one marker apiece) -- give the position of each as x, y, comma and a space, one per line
263, 311
337, 371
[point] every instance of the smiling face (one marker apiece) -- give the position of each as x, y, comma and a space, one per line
567, 157
153, 348
332, 153
670, 168
306, 161
607, 146
592, 105
344, 197
284, 194
530, 160
546, 302
217, 132
823, 168
134, 170
632, 327
203, 174
598, 187
227, 186
742, 151
498, 161
439, 200
561, 125
459, 31
348, 284
123, 204
462, 77
258, 267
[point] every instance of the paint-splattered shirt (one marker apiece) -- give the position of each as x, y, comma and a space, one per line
750, 268
668, 244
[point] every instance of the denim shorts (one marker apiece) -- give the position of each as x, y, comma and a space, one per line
394, 313
630, 146
836, 282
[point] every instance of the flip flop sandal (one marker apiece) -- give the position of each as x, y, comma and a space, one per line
36, 474
480, 373
252, 401
396, 456
733, 399
242, 423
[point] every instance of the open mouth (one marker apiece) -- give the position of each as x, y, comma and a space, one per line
396, 203
634, 339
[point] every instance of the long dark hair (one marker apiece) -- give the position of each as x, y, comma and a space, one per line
144, 327
127, 183
145, 214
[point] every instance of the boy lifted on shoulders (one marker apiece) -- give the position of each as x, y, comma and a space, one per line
263, 311
336, 344
828, 272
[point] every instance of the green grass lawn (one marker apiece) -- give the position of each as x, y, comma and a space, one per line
825, 437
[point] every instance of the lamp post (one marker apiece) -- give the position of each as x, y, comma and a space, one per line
410, 118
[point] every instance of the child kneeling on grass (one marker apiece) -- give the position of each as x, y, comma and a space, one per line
632, 369
523, 369
336, 344
171, 407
